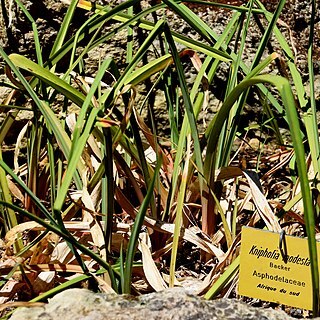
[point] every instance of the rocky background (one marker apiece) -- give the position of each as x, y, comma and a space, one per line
16, 36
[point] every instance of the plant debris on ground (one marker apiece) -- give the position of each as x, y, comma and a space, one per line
100, 189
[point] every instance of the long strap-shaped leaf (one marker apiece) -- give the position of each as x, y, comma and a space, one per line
53, 123
117, 15
218, 121
135, 232
223, 279
179, 215
187, 101
310, 116
233, 128
48, 77
284, 89
64, 27
197, 24
81, 134
62, 233
34, 29
14, 61
149, 69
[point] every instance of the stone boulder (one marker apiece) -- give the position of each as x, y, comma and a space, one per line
173, 304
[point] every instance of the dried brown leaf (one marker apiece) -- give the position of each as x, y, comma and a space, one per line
44, 282
10, 288
61, 253
150, 269
16, 192
186, 234
95, 228
263, 206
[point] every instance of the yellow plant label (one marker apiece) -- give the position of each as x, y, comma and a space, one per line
271, 273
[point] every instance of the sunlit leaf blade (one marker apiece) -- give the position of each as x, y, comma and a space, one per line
80, 136
48, 77
223, 279
135, 232
144, 24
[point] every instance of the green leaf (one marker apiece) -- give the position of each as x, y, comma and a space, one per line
48, 77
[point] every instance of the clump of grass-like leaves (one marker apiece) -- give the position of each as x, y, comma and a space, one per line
96, 173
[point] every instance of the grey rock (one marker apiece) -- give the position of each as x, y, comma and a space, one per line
173, 304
